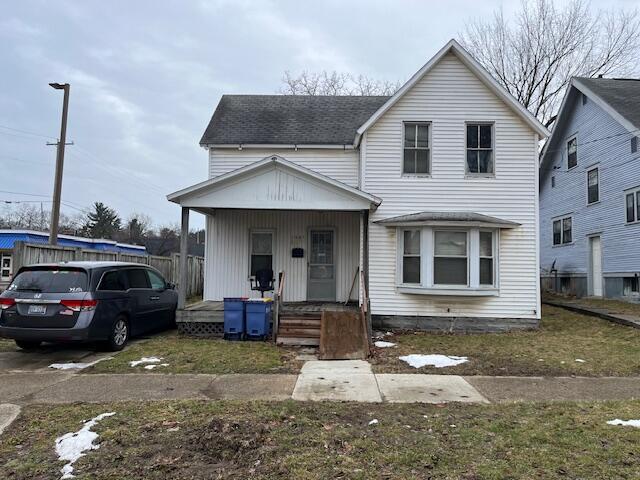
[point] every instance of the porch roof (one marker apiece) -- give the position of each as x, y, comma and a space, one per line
274, 183
443, 219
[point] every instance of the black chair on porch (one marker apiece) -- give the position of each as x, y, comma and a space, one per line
263, 281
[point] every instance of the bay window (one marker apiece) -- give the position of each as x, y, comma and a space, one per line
448, 260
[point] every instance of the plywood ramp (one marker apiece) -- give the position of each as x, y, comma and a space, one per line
343, 336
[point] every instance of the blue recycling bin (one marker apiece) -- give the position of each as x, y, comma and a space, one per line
258, 318
234, 318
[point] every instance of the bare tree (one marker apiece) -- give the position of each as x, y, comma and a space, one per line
335, 83
535, 55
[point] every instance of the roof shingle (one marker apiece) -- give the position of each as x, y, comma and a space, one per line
623, 95
289, 119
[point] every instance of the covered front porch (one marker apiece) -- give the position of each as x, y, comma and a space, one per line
308, 230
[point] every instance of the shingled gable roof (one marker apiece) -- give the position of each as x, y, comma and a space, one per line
619, 97
289, 119
454, 47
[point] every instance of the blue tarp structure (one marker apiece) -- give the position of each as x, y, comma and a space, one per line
9, 237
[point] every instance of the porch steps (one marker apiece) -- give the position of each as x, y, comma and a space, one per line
297, 328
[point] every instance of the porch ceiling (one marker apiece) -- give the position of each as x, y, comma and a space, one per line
274, 184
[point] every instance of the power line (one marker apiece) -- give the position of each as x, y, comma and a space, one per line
26, 132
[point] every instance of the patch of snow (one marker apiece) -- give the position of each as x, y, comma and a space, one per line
436, 360
76, 366
151, 367
374, 421
71, 446
381, 344
625, 423
135, 363
579, 360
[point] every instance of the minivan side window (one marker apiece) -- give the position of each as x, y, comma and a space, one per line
113, 280
157, 282
137, 278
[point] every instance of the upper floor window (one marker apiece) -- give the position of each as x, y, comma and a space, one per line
593, 185
572, 153
562, 231
416, 149
480, 148
632, 199
634, 144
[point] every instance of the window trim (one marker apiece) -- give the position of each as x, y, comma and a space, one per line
403, 255
428, 149
427, 250
569, 140
588, 171
272, 231
469, 174
636, 204
561, 220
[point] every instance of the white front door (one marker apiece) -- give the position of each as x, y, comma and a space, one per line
596, 266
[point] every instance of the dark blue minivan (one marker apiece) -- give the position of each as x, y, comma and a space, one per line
107, 302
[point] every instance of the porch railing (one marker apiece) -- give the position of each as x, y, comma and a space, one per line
277, 305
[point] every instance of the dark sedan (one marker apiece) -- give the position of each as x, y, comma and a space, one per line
107, 302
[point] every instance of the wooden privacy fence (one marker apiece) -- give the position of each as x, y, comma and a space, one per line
30, 253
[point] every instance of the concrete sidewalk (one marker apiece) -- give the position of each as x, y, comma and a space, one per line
312, 385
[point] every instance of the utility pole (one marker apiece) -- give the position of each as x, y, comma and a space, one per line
57, 186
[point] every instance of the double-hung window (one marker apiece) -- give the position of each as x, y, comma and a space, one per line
411, 257
572, 152
261, 251
562, 231
632, 200
448, 261
479, 148
486, 258
593, 185
417, 150
450, 258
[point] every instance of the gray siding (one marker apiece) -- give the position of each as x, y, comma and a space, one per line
617, 172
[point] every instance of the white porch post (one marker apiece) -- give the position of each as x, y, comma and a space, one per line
184, 252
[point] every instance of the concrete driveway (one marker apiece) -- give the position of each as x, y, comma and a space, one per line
17, 360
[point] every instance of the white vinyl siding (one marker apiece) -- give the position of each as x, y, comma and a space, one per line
341, 165
450, 97
228, 250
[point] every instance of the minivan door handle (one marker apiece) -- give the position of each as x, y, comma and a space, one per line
154, 298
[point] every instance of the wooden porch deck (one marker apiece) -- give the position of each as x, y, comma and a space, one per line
212, 311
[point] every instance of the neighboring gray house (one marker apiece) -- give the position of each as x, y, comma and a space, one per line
590, 191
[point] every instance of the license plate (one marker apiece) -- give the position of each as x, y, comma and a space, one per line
37, 309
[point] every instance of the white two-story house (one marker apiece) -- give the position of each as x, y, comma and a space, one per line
425, 203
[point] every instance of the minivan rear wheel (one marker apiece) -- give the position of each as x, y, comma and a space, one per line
27, 344
119, 334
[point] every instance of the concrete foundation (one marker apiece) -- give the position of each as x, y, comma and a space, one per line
453, 324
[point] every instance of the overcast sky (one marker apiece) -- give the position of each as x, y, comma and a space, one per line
146, 76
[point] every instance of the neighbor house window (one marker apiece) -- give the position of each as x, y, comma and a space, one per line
411, 256
486, 258
416, 149
593, 186
632, 199
450, 261
479, 148
553, 182
261, 251
5, 267
562, 231
584, 99
634, 144
572, 153
630, 285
